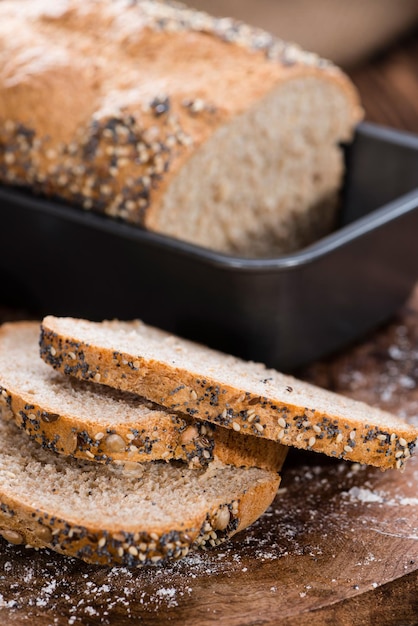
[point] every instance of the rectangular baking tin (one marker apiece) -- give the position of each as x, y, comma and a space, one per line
285, 311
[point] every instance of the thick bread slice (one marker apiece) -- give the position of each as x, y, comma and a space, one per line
113, 516
90, 421
200, 128
247, 397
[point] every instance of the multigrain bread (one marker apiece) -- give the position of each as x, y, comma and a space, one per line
211, 386
89, 421
113, 515
200, 128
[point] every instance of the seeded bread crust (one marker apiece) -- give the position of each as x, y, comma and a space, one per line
109, 142
146, 436
23, 520
347, 429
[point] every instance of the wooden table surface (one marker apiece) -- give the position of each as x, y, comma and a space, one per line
339, 545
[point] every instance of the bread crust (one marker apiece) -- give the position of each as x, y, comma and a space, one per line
162, 436
32, 524
110, 140
36, 528
382, 441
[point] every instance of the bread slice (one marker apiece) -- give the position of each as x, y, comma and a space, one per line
211, 386
203, 129
114, 515
87, 420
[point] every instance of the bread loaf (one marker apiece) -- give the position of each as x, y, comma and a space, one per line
211, 386
118, 515
203, 129
89, 421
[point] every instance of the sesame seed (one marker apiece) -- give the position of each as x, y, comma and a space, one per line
399, 454
306, 424
316, 428
120, 552
259, 427
251, 418
281, 422
102, 542
97, 377
132, 550
99, 436
71, 355
250, 412
381, 437
281, 434
206, 454
312, 442
353, 435
339, 438
402, 442
89, 454
106, 190
154, 536
224, 414
52, 350
393, 437
236, 426
136, 365
348, 449
398, 464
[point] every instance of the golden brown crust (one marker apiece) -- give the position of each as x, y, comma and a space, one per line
33, 527
164, 436
109, 140
279, 420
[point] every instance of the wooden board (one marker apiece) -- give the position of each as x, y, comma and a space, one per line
338, 546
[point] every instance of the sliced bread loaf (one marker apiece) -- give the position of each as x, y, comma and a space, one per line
113, 515
87, 420
200, 128
211, 386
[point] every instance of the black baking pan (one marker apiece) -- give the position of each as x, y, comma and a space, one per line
285, 312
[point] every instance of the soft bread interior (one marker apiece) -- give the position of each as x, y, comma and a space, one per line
154, 497
266, 182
